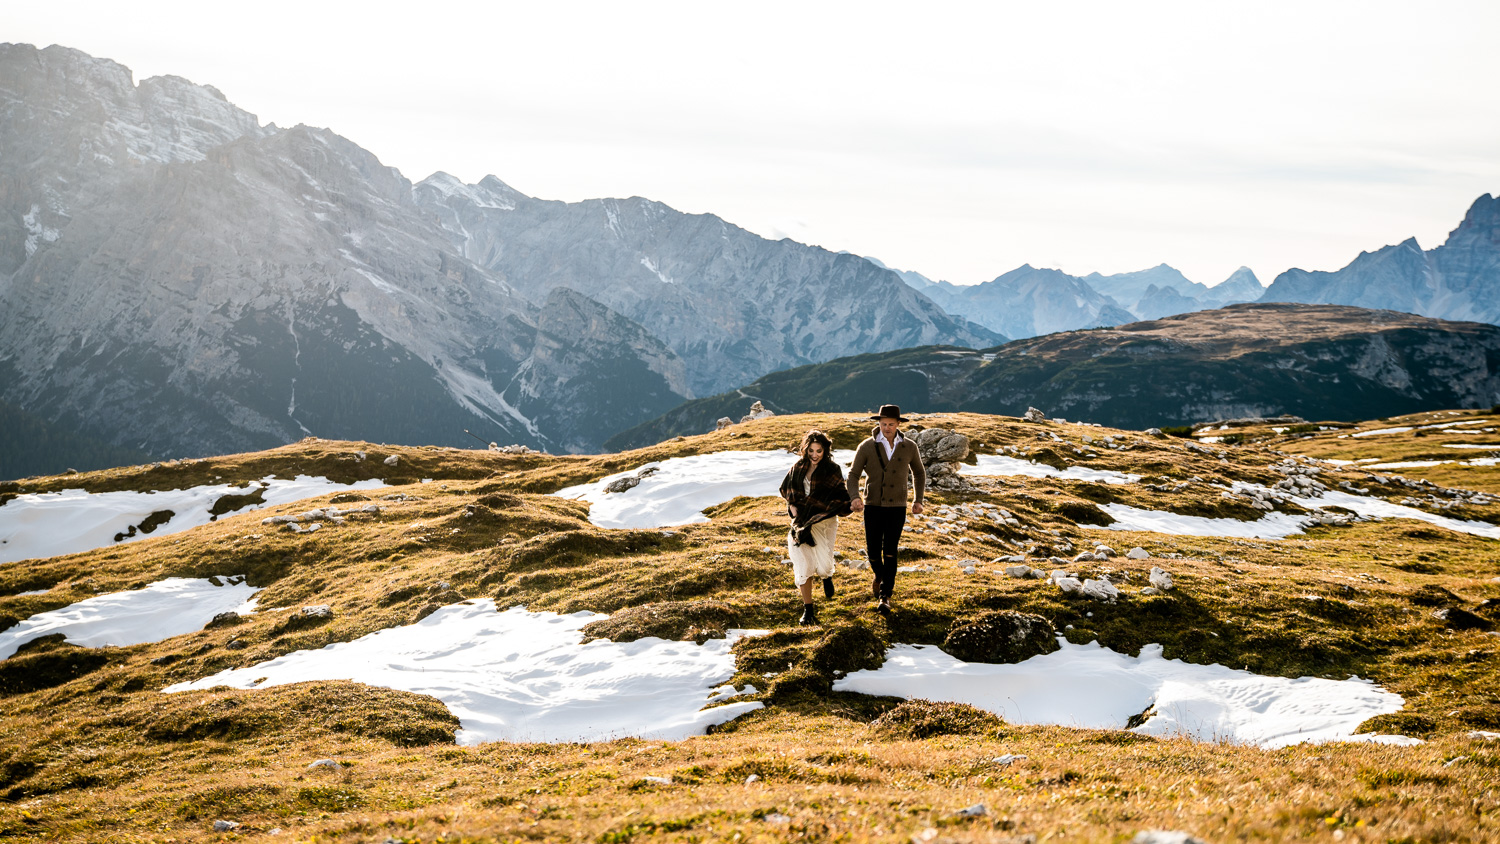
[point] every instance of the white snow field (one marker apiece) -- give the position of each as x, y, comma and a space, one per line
162, 610
1269, 526
1094, 687
680, 488
524, 676
994, 464
1281, 525
48, 524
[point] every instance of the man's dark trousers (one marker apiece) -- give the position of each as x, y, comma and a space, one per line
882, 531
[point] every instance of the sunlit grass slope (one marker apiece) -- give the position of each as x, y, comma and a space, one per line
90, 750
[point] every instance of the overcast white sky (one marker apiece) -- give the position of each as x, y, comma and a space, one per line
956, 139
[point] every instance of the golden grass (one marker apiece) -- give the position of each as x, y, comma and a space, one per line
105, 756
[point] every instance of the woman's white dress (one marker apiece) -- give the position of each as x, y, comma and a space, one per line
813, 560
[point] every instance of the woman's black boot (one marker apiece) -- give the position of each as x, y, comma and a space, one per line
809, 615
828, 587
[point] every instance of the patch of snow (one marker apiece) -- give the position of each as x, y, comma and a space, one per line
993, 464
1381, 509
1408, 464
167, 608
1269, 526
524, 676
682, 487
1491, 446
651, 265
36, 525
1378, 431
36, 233
1093, 687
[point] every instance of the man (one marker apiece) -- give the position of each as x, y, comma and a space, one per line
887, 459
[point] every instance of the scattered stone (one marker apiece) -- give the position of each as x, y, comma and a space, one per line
1008, 759
1485, 735
658, 780
223, 619
1160, 579
359, 456
515, 448
978, 810
1161, 836
753, 778
1454, 761
316, 611
392, 460
777, 817
1104, 550
1033, 415
226, 826
623, 484
724, 422
1068, 585
1100, 590
1153, 432
1024, 572
323, 763
1150, 590
235, 645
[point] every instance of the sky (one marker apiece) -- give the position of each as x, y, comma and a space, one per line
959, 140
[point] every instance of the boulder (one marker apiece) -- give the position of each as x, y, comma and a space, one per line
1033, 415
1160, 579
1001, 636
724, 422
622, 484
757, 411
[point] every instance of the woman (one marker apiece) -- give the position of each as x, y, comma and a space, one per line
816, 496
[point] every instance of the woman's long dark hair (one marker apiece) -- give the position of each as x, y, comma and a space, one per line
814, 436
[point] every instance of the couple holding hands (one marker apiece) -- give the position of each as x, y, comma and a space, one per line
817, 493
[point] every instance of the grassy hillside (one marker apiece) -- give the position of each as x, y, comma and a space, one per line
90, 750
1314, 361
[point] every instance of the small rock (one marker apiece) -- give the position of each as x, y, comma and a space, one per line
323, 763
317, 611
978, 810
1104, 551
1033, 415
658, 780
1160, 579
1150, 590
1153, 432
753, 778
776, 817
1099, 590
1454, 761
235, 645
724, 422
622, 484
1008, 759
225, 826
1138, 553
392, 460
1162, 836
1483, 734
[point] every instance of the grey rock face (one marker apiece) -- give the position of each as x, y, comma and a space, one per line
1026, 302
178, 278
1459, 280
733, 303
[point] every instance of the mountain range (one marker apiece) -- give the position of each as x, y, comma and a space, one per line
1457, 280
177, 278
